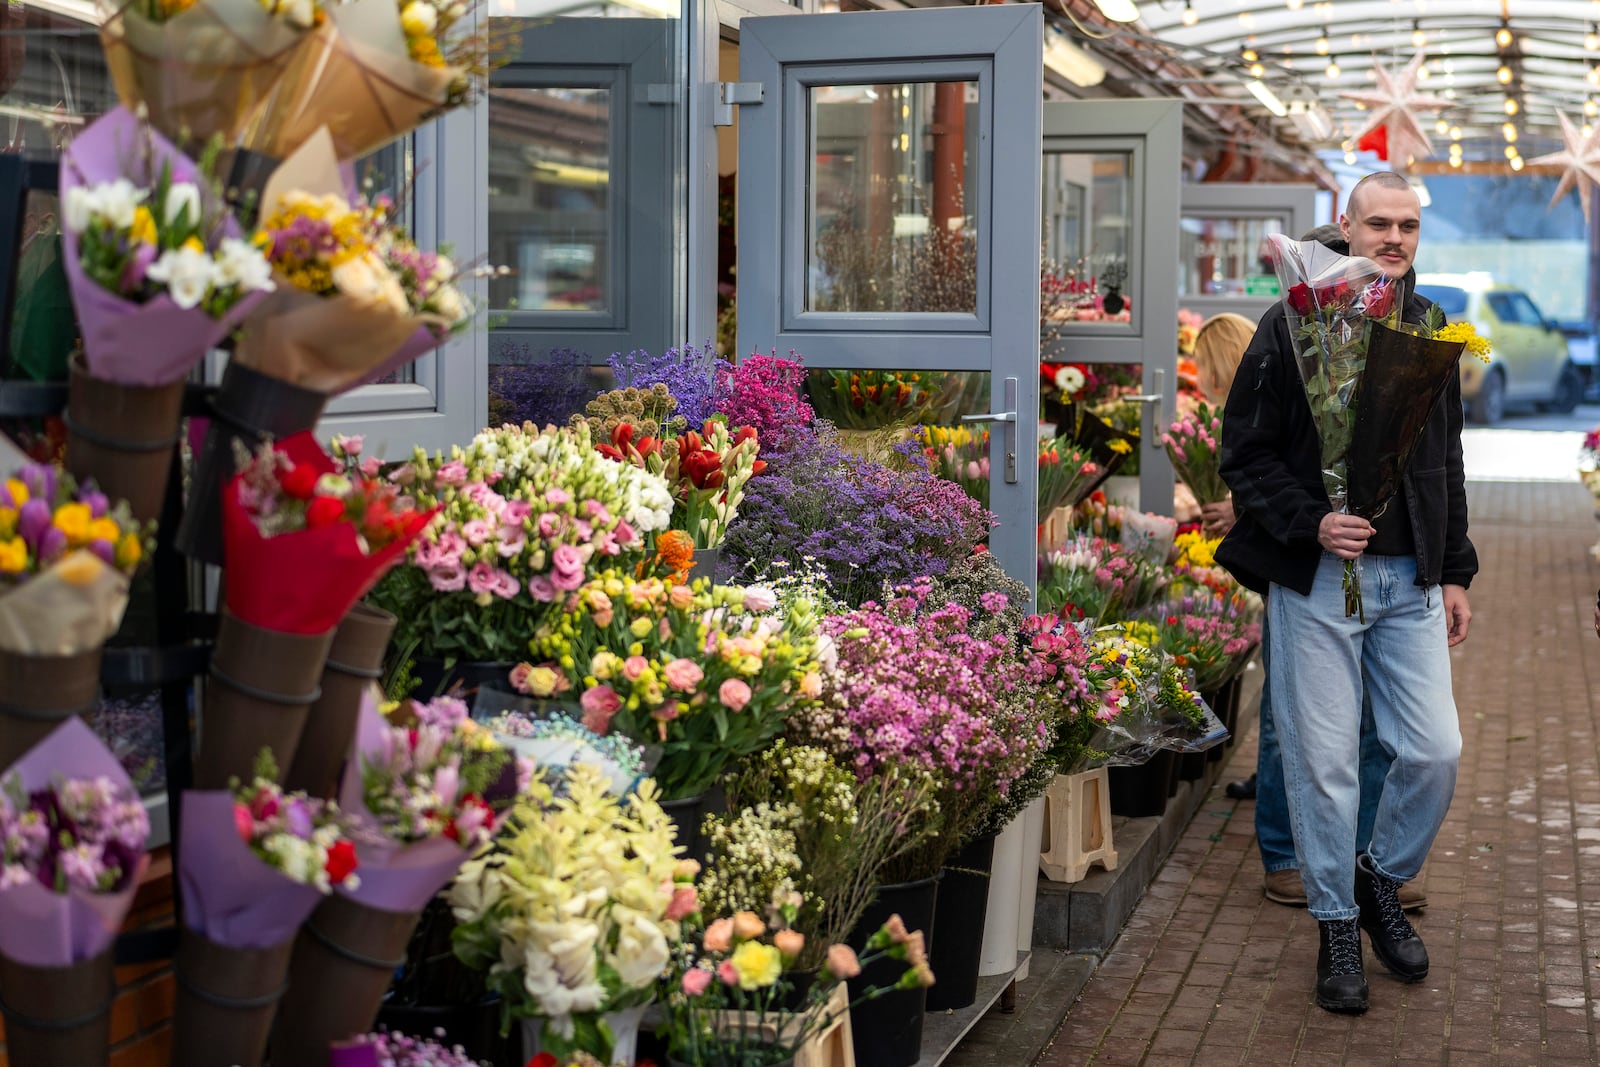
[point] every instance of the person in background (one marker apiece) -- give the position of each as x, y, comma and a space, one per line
1417, 561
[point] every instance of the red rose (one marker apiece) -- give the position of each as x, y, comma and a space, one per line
544, 1059
324, 511
1379, 299
1299, 299
1336, 294
341, 862
299, 481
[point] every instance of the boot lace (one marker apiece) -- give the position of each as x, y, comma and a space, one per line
1344, 948
1390, 913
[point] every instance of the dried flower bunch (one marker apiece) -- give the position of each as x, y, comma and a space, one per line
694, 377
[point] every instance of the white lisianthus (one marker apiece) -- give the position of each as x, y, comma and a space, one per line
186, 272
240, 263
183, 198
79, 207
116, 202
418, 18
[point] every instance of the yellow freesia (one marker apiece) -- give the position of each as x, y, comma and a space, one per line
13, 556
143, 229
73, 520
18, 491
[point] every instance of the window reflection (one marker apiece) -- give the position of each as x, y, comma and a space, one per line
1089, 217
549, 186
892, 198
1221, 256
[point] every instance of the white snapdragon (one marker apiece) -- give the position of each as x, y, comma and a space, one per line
186, 272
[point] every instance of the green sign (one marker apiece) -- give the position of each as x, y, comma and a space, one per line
1261, 285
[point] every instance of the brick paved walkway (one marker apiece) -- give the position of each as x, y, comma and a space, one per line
1207, 972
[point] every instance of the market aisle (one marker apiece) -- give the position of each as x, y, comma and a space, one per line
1208, 972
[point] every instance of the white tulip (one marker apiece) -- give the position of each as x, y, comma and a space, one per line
187, 274
183, 198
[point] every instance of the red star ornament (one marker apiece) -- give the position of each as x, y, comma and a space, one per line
1396, 106
1581, 160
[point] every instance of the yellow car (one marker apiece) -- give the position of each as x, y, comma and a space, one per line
1529, 363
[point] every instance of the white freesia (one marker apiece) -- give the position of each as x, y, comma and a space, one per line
240, 263
186, 272
78, 208
183, 198
117, 201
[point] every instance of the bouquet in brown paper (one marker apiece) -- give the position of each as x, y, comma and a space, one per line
415, 786
375, 71
203, 68
72, 839
65, 558
351, 288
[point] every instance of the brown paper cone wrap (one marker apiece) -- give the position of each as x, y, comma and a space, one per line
260, 690
226, 1000
122, 437
58, 1015
38, 693
344, 959
355, 661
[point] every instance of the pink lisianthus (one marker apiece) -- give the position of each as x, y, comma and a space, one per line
685, 902
481, 578
633, 667
683, 675
452, 473
718, 936
599, 705
734, 694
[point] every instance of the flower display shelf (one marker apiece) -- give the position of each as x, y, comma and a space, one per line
942, 1031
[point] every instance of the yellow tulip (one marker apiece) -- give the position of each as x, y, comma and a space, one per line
144, 226
13, 556
73, 520
18, 491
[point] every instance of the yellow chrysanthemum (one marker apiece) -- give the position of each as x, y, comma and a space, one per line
758, 965
1464, 331
73, 520
13, 556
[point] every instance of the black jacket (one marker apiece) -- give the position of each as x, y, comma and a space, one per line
1271, 462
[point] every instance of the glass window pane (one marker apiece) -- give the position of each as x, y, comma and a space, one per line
892, 197
1220, 256
549, 185
1089, 219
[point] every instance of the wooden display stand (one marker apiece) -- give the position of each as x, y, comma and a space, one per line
1077, 829
828, 1047
1054, 528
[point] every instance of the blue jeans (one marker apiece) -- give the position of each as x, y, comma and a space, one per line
1272, 802
1319, 662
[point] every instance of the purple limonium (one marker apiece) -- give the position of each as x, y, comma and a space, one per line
692, 375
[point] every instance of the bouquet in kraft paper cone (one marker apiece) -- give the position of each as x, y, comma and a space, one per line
159, 274
202, 68
415, 787
304, 543
65, 559
253, 863
376, 70
74, 834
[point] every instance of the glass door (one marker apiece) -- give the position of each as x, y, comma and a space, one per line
884, 228
1110, 200
1219, 243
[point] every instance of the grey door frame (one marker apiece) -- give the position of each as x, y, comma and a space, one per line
1244, 200
1000, 47
1151, 131
634, 59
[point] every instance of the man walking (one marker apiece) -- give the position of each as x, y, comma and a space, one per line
1416, 565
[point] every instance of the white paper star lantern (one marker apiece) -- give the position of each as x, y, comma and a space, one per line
1397, 105
1580, 160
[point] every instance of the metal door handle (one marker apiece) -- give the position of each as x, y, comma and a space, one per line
1009, 420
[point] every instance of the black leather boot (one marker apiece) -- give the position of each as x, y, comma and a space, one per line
1341, 982
1394, 939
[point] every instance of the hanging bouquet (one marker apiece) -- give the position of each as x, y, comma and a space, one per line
574, 910
689, 668
1344, 315
729, 984
202, 69
72, 841
1193, 444
157, 267
803, 838
525, 518
353, 292
66, 555
305, 541
766, 392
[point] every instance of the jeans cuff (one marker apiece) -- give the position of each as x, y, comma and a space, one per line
1333, 916
1284, 865
1378, 869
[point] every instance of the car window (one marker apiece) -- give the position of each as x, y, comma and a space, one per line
1451, 301
1514, 307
